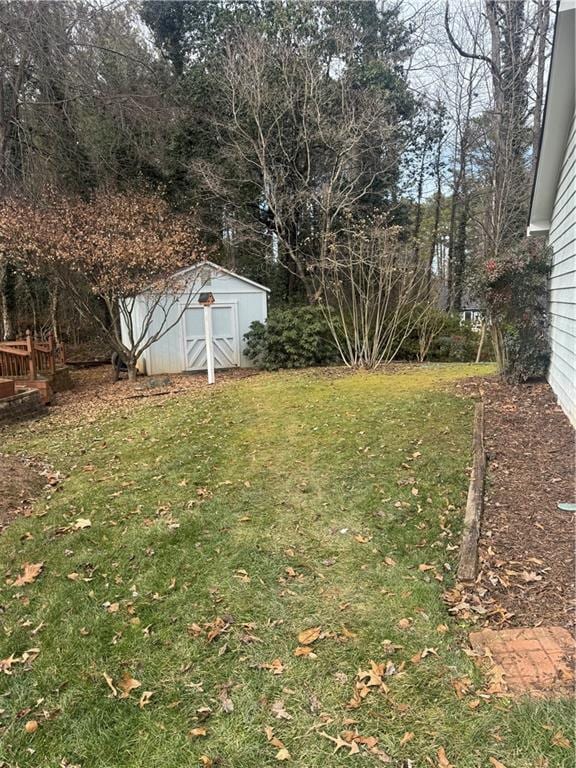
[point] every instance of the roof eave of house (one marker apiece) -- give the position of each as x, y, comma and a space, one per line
558, 114
538, 228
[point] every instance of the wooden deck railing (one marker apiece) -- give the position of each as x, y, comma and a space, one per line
28, 359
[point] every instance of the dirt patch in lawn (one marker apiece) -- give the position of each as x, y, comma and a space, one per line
527, 544
21, 481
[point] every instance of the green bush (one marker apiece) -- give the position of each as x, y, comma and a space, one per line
515, 288
457, 343
527, 351
296, 337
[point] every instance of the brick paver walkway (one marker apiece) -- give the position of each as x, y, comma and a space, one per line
538, 661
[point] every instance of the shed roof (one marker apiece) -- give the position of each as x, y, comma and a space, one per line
558, 113
218, 268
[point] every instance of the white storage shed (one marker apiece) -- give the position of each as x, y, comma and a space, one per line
238, 302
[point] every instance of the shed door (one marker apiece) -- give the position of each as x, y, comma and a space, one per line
225, 337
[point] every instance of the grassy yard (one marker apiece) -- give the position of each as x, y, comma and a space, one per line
221, 525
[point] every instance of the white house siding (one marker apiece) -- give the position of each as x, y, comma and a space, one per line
562, 240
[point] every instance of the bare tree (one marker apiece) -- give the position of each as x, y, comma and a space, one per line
431, 323
369, 288
303, 139
508, 41
542, 54
81, 107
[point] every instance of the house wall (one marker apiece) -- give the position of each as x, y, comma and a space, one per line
562, 286
167, 354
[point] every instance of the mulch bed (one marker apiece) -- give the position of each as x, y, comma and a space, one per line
526, 553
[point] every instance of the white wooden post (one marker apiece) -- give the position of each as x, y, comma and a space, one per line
209, 345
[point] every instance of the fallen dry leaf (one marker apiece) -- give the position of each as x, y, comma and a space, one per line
279, 711
496, 763
27, 657
145, 699
6, 664
443, 761
308, 636
496, 676
225, 700
304, 650
276, 666
216, 628
30, 572
408, 736
352, 740
198, 732
242, 575
462, 686
110, 684
128, 684
82, 523
283, 754
404, 623
206, 761
529, 576
338, 741
31, 726
370, 679
559, 740
274, 741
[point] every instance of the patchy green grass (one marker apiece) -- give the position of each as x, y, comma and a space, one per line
279, 503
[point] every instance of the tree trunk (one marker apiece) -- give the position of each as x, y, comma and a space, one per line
459, 252
7, 301
544, 22
499, 346
420, 190
7, 327
132, 372
481, 342
54, 314
437, 210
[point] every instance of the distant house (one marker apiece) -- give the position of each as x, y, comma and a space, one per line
553, 207
472, 314
238, 302
471, 311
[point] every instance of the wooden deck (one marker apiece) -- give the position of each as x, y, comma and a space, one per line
32, 363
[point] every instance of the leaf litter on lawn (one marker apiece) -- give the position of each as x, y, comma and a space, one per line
221, 634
